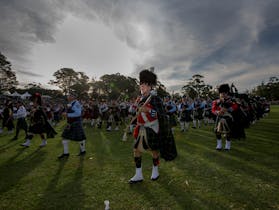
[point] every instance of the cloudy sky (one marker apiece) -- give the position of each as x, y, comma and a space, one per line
225, 41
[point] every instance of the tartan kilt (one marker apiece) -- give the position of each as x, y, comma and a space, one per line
152, 139
186, 116
21, 124
74, 131
172, 120
229, 121
38, 128
200, 114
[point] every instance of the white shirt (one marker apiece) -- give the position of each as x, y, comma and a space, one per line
20, 113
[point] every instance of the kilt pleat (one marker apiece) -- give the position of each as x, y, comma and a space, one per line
74, 131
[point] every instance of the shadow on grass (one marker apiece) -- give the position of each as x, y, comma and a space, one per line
236, 159
209, 179
67, 195
9, 144
187, 196
11, 172
144, 190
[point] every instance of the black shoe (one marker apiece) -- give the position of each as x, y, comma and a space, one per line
64, 156
82, 153
135, 181
154, 179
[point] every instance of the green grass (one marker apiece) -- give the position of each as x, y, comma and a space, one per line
247, 177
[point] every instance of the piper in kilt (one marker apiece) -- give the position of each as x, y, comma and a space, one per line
38, 123
171, 109
74, 130
147, 133
20, 115
198, 108
8, 117
223, 108
184, 110
104, 115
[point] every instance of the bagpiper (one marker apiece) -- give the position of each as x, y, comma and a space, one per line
74, 129
20, 114
184, 109
38, 123
152, 131
223, 109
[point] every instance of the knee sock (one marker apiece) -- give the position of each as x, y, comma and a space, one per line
156, 161
138, 162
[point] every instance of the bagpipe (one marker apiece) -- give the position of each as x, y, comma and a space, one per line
126, 130
233, 118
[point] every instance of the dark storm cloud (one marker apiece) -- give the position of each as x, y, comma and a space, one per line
179, 37
26, 22
28, 73
189, 37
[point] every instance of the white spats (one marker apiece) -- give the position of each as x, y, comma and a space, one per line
44, 143
137, 177
65, 146
155, 173
26, 143
82, 146
219, 144
228, 145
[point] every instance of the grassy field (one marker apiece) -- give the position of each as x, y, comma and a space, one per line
247, 177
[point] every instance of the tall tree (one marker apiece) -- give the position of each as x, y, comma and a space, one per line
117, 86
269, 90
196, 87
161, 90
81, 85
65, 78
7, 76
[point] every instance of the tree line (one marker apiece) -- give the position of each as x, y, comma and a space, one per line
116, 86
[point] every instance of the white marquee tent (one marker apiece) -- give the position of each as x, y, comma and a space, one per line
15, 94
25, 95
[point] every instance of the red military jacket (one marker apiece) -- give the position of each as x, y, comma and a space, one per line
145, 119
217, 105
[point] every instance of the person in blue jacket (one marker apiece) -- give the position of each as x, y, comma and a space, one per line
74, 130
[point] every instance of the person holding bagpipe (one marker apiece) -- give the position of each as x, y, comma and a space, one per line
153, 130
184, 109
74, 130
38, 123
223, 108
104, 115
171, 110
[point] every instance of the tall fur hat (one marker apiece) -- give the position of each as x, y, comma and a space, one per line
38, 98
148, 77
224, 88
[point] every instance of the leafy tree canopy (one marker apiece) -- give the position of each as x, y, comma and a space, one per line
8, 79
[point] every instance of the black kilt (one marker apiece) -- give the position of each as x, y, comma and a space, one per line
172, 120
38, 128
21, 124
74, 131
200, 114
186, 116
229, 121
